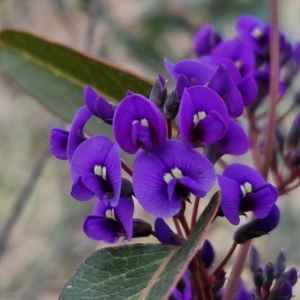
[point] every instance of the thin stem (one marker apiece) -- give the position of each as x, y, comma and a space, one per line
23, 198
195, 212
184, 224
197, 282
273, 95
126, 168
225, 260
177, 226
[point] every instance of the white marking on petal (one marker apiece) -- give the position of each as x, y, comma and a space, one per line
134, 122
144, 122
256, 33
198, 117
238, 64
176, 173
168, 177
246, 188
98, 170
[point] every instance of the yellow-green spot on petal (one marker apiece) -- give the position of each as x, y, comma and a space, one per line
168, 177
176, 173
198, 117
246, 188
98, 170
144, 122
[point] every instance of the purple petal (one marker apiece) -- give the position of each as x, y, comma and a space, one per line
231, 197
242, 174
149, 183
198, 73
235, 141
196, 100
193, 186
237, 51
234, 101
80, 192
181, 85
102, 229
76, 136
205, 40
219, 81
260, 201
124, 213
137, 108
269, 222
173, 198
163, 232
248, 90
91, 181
170, 68
207, 254
231, 69
58, 143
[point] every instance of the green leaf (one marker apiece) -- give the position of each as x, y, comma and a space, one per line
138, 271
56, 74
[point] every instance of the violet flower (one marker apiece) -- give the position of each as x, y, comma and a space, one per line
162, 179
99, 106
202, 116
101, 227
205, 40
76, 135
138, 123
244, 189
96, 170
58, 143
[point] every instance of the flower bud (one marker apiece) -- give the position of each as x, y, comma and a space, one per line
270, 271
254, 260
280, 263
259, 277
126, 188
141, 228
220, 280
159, 91
171, 106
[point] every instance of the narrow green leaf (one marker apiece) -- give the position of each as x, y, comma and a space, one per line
137, 272
56, 74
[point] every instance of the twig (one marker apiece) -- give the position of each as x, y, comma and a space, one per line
195, 212
23, 198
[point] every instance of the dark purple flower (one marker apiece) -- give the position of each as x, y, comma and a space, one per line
58, 143
207, 253
162, 179
205, 40
183, 290
99, 106
138, 123
76, 135
96, 170
202, 117
108, 223
244, 189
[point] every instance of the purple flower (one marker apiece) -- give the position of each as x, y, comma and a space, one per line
244, 189
162, 179
100, 227
58, 143
205, 40
234, 142
96, 170
202, 117
98, 106
138, 123
76, 135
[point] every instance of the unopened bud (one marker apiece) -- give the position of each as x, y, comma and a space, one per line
254, 260
171, 107
181, 286
126, 188
159, 91
259, 278
280, 263
141, 228
220, 280
270, 271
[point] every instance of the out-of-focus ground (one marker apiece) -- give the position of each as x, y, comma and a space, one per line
47, 242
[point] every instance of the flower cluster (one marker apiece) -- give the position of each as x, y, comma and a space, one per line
177, 139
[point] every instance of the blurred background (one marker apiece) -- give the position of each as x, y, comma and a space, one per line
46, 242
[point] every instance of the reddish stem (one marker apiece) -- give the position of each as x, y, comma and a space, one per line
177, 226
169, 126
126, 168
195, 212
